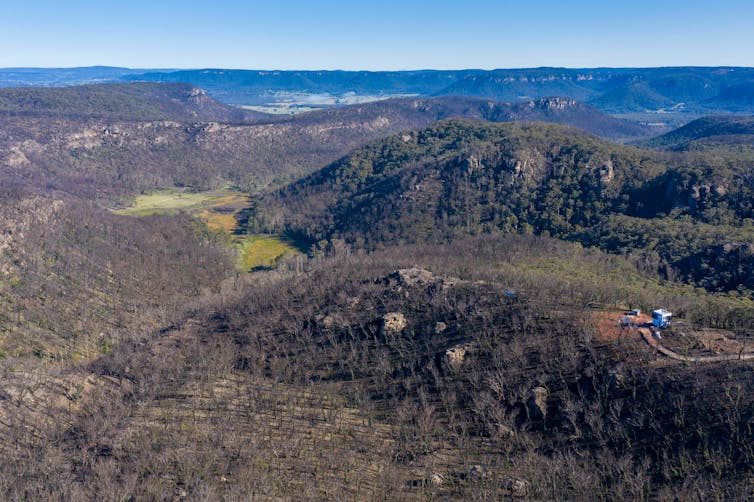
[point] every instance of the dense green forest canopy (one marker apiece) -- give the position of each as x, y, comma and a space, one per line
689, 215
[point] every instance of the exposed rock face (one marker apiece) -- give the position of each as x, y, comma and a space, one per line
526, 164
473, 163
699, 191
537, 403
419, 277
209, 127
455, 356
413, 277
555, 103
440, 327
16, 157
606, 172
437, 479
505, 431
394, 322
329, 321
616, 378
516, 487
739, 247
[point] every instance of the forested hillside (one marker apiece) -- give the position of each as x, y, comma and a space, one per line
708, 132
459, 178
76, 279
405, 373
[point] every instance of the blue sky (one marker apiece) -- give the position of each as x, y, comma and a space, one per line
293, 34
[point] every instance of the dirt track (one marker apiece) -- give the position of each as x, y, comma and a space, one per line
646, 334
607, 329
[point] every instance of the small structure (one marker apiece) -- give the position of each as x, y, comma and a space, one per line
636, 312
661, 318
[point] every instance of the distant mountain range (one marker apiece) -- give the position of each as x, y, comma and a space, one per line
661, 91
140, 101
57, 77
614, 90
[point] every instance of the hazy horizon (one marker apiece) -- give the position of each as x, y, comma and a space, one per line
222, 68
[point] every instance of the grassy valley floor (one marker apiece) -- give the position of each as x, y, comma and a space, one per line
219, 211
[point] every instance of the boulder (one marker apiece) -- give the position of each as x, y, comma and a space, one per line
329, 321
436, 479
394, 322
455, 356
517, 487
504, 431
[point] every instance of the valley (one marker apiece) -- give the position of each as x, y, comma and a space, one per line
220, 211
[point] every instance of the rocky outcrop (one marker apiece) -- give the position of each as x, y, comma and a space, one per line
394, 322
526, 164
436, 479
616, 378
606, 172
517, 487
416, 277
16, 157
455, 356
413, 277
537, 403
554, 103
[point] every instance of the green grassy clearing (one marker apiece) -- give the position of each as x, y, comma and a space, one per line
217, 209
174, 200
263, 250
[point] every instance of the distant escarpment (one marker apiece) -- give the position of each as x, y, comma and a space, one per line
685, 90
